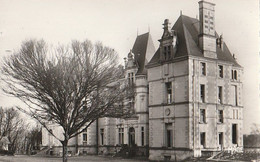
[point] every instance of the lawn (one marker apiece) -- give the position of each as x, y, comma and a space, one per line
24, 158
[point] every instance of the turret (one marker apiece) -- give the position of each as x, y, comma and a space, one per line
131, 68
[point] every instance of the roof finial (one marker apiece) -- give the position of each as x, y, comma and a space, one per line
148, 28
180, 12
137, 31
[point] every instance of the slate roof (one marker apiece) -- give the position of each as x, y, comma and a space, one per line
143, 50
187, 29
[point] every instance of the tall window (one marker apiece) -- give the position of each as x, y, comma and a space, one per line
235, 74
234, 95
167, 52
102, 136
220, 138
220, 116
169, 92
203, 139
220, 71
220, 94
142, 136
202, 93
85, 135
121, 136
169, 134
130, 78
202, 116
234, 133
203, 68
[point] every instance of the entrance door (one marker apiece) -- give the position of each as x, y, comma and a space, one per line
131, 136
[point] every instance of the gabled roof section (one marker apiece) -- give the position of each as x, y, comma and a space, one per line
187, 29
143, 50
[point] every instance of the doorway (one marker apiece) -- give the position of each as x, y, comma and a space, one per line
131, 136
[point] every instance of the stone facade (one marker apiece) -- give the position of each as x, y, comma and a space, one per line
188, 96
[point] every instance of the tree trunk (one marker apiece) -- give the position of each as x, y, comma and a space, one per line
65, 150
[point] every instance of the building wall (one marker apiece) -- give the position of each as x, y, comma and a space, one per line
211, 105
163, 114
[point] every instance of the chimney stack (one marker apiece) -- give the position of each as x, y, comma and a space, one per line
207, 38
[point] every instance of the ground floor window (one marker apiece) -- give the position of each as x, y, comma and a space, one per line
220, 138
169, 138
121, 136
234, 133
203, 139
131, 136
142, 136
102, 136
85, 137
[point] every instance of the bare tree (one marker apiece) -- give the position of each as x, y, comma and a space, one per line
32, 140
66, 85
11, 127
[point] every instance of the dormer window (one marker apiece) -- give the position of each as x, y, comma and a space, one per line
167, 52
168, 42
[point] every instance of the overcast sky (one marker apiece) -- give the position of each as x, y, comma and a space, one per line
116, 22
